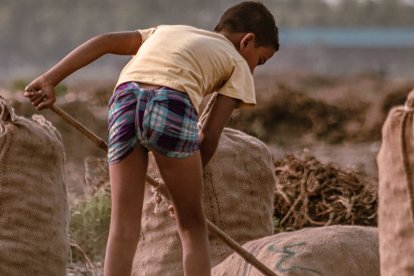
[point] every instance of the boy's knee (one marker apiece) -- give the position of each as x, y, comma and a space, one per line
123, 233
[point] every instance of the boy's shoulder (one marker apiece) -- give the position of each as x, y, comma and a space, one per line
194, 37
186, 29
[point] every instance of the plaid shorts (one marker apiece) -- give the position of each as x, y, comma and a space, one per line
163, 120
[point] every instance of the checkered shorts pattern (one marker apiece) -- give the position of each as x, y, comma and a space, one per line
163, 120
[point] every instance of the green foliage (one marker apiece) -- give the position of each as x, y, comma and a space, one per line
89, 225
19, 85
61, 89
276, 224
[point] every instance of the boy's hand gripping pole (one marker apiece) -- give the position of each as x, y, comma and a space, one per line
211, 227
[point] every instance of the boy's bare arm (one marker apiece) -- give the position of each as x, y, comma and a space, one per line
214, 125
121, 43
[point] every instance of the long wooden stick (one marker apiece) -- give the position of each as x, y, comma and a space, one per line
211, 227
73, 122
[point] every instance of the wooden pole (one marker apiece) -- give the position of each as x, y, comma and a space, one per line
211, 227
239, 250
73, 122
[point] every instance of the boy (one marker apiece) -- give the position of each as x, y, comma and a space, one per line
155, 107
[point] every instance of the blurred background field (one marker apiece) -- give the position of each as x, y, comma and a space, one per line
341, 67
322, 36
336, 118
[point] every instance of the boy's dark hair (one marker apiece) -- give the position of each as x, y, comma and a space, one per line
251, 17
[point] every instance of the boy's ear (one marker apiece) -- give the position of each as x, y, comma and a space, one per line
248, 40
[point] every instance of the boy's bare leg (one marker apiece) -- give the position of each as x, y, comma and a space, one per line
127, 180
184, 180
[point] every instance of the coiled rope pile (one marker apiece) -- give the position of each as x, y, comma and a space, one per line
309, 193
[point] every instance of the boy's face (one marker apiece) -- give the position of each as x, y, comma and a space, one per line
258, 56
254, 55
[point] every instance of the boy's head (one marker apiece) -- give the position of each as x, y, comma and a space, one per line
252, 29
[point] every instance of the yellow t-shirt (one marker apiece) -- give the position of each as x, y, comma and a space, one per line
190, 60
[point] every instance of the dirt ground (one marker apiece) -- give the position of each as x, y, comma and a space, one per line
360, 157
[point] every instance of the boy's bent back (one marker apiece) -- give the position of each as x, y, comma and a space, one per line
190, 60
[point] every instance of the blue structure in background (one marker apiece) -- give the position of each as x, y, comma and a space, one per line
348, 37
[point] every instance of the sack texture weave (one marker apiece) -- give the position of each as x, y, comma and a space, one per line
33, 199
330, 251
396, 205
238, 198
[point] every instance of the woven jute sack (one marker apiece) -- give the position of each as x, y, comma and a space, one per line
396, 204
330, 251
33, 199
238, 198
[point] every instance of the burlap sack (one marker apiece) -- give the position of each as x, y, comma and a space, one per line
330, 251
238, 194
396, 205
33, 200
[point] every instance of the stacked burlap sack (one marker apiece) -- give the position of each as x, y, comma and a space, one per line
238, 193
33, 199
331, 251
396, 196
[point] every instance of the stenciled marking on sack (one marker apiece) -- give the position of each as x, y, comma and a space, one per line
289, 251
